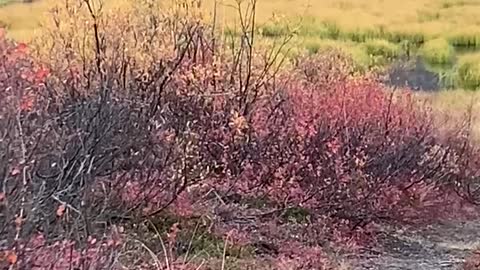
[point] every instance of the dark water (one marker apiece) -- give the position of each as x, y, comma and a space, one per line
416, 74
413, 74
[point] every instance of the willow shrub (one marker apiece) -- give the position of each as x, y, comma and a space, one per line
118, 116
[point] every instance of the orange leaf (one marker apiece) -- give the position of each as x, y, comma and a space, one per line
18, 221
12, 258
61, 210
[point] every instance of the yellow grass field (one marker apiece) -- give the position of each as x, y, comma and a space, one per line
23, 20
456, 20
372, 31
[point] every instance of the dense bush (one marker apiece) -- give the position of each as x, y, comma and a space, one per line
130, 114
472, 262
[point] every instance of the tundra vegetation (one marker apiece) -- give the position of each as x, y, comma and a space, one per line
145, 136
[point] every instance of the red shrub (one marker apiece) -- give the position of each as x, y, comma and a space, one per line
113, 137
343, 146
472, 262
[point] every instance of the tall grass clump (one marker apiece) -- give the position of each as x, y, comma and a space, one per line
468, 72
273, 30
310, 27
399, 35
438, 51
468, 37
363, 35
361, 60
384, 48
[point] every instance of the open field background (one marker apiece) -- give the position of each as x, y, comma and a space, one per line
444, 34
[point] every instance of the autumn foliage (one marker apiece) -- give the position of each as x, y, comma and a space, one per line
142, 115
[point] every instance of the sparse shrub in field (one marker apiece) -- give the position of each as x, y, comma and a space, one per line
438, 51
468, 72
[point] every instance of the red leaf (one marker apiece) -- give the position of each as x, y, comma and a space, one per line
61, 210
15, 171
22, 48
18, 222
12, 257
41, 74
27, 104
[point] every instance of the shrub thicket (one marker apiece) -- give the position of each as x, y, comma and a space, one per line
126, 117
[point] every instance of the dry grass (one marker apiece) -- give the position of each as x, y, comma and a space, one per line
451, 107
23, 20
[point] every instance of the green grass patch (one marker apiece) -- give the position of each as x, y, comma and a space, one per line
468, 72
355, 51
5, 2
397, 36
273, 30
438, 51
447, 74
466, 37
363, 35
296, 215
195, 237
314, 46
384, 48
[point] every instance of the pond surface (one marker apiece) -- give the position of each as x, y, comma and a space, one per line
413, 74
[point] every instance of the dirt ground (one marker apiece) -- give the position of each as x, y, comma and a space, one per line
441, 246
